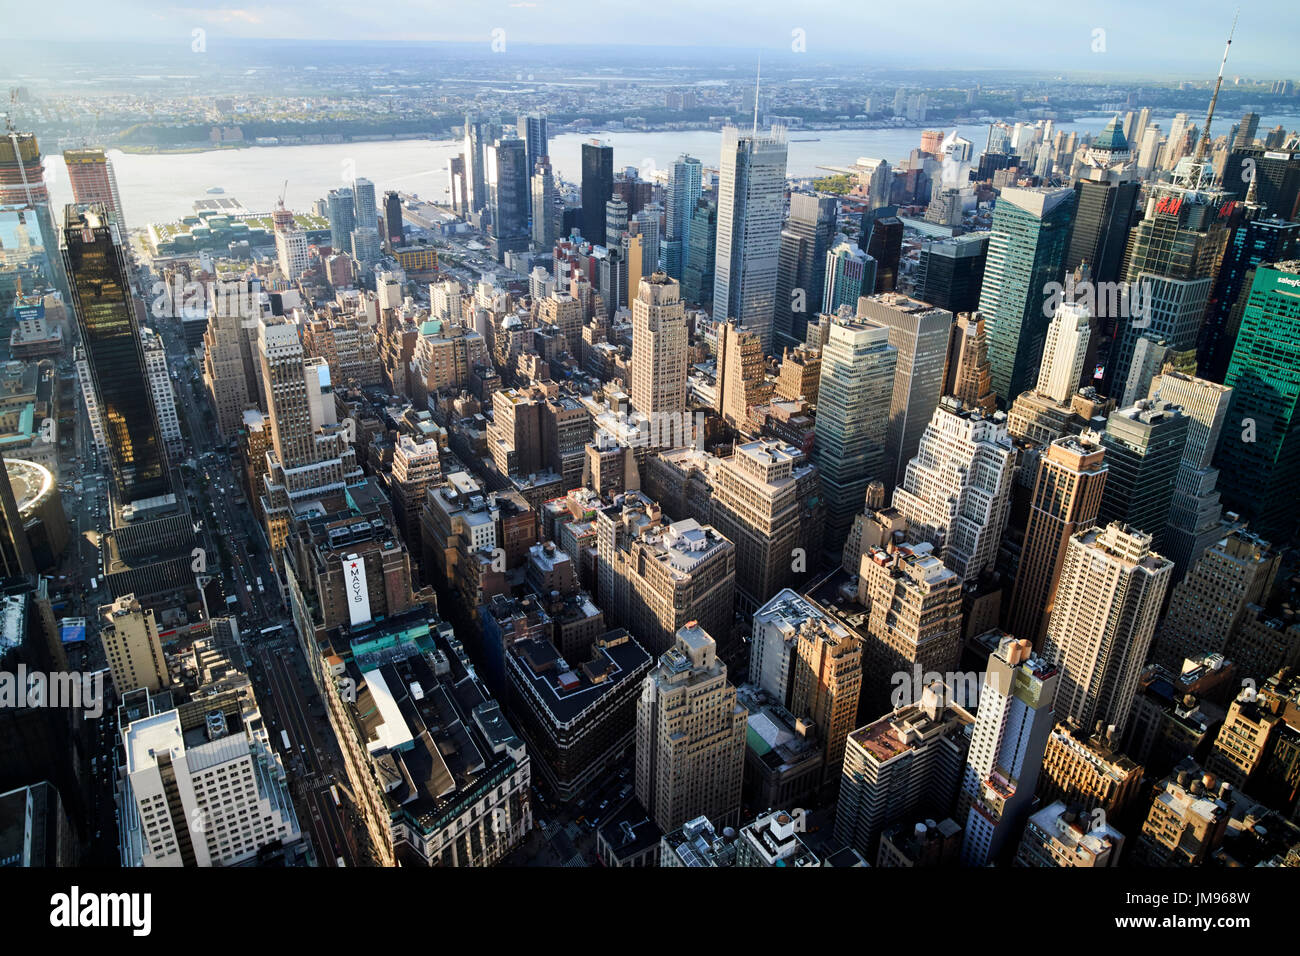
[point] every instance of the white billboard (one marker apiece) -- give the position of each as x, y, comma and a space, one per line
354, 583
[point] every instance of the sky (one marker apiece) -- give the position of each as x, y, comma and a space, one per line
1107, 36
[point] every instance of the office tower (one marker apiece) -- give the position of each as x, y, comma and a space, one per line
132, 646
531, 128
1107, 601
1066, 497
1259, 456
775, 639
615, 220
1209, 604
1195, 515
291, 253
905, 765
741, 378
956, 491
654, 576
1061, 836
1086, 768
365, 246
1246, 130
612, 280
825, 682
968, 375
476, 138
1170, 262
90, 174
680, 197
1273, 173
855, 391
801, 274
645, 223
1026, 252
224, 374
921, 335
950, 272
1006, 749
756, 506
505, 165
1246, 737
546, 216
751, 200
16, 558
1144, 451
912, 626
1105, 202
1187, 821
801, 370
367, 209
884, 238
1258, 238
1148, 152
659, 347
108, 321
634, 257
690, 736
701, 250
342, 217
1065, 352
160, 388
849, 272
458, 186
393, 218
207, 790
597, 189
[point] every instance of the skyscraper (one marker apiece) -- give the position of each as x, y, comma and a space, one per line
659, 347
884, 240
475, 175
1026, 252
1064, 353
1007, 744
680, 196
16, 558
690, 736
950, 272
531, 128
1144, 450
801, 269
969, 376
597, 189
132, 646
110, 333
1066, 499
1106, 195
751, 199
367, 209
90, 174
956, 492
546, 217
921, 335
393, 218
343, 218
507, 173
1107, 603
849, 273
1259, 455
854, 395
701, 252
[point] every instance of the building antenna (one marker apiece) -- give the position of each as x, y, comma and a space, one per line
758, 75
1204, 147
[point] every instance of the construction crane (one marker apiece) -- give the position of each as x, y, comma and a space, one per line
283, 192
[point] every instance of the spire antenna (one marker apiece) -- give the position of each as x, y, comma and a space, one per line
758, 76
1204, 146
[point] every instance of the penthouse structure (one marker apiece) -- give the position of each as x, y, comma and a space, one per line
1059, 835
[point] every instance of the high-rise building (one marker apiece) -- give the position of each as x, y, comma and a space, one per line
855, 391
1187, 820
365, 246
680, 196
367, 208
1088, 769
1106, 193
825, 682
394, 232
1060, 836
849, 272
659, 347
1027, 249
741, 375
531, 128
546, 215
597, 189
1107, 601
969, 376
476, 139
801, 275
751, 199
16, 559
1066, 498
1259, 455
909, 763
1064, 353
160, 387
291, 253
701, 253
1006, 749
1211, 601
108, 319
507, 170
956, 491
458, 186
690, 736
342, 217
883, 236
921, 335
950, 272
90, 174
1144, 451
615, 220
132, 646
